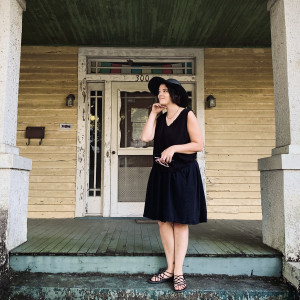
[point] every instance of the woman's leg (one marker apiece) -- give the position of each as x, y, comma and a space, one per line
167, 237
181, 237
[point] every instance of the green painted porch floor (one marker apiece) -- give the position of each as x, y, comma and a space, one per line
112, 236
123, 246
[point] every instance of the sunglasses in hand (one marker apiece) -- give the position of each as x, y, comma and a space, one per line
159, 161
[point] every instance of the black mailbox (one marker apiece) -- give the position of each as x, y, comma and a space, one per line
35, 133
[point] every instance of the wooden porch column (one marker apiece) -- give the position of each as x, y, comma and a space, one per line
14, 169
280, 173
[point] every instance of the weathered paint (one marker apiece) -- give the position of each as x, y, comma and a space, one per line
114, 245
3, 249
144, 23
239, 130
231, 266
84, 79
14, 169
47, 76
280, 173
291, 272
241, 80
95, 286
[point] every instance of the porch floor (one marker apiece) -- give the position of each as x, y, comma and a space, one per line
121, 245
105, 236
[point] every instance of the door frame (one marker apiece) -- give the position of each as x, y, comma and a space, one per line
84, 53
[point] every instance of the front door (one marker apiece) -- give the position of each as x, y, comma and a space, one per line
131, 159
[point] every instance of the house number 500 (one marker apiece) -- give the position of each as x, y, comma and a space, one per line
142, 77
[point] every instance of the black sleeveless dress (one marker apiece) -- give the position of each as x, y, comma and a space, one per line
175, 193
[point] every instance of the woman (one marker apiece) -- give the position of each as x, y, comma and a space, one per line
175, 194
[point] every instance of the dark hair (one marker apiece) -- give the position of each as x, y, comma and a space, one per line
175, 96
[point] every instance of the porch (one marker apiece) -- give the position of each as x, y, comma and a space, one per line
133, 246
111, 258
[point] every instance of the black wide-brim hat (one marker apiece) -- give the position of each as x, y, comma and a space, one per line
155, 82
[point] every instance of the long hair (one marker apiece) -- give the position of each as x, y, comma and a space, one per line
175, 96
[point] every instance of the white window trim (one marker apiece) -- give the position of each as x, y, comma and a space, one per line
83, 79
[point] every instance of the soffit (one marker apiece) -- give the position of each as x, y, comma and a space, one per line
147, 23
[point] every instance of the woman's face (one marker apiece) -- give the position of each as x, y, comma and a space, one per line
163, 95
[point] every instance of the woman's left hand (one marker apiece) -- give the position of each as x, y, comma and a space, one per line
167, 154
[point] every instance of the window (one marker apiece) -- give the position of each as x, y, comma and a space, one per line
95, 143
101, 66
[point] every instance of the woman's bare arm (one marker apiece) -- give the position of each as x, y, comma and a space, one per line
149, 128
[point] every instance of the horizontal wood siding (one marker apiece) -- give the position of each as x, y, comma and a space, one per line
47, 76
239, 130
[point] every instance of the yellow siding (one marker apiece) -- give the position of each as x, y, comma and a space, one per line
239, 130
48, 75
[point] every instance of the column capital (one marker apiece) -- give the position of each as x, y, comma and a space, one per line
22, 3
288, 149
16, 162
279, 162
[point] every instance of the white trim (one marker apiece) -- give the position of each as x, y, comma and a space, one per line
120, 209
81, 145
106, 184
83, 78
93, 203
133, 78
141, 53
200, 112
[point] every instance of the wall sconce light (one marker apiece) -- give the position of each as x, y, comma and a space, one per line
211, 101
70, 100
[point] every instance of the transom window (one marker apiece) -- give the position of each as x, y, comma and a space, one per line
102, 66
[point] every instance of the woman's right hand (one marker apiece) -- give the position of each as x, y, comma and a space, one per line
157, 108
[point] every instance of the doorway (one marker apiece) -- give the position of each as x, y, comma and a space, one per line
131, 159
113, 164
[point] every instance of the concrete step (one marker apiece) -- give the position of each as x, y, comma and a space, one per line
94, 286
231, 265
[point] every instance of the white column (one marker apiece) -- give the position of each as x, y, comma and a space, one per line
14, 169
280, 173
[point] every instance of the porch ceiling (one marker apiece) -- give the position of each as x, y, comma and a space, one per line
147, 23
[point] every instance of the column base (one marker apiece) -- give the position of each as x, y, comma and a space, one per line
280, 196
291, 272
14, 186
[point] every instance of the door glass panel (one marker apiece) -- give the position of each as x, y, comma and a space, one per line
95, 143
134, 171
135, 109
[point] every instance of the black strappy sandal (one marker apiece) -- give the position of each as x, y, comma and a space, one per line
161, 278
179, 281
